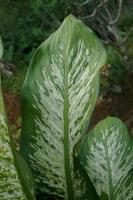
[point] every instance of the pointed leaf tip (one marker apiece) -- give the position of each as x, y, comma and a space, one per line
58, 98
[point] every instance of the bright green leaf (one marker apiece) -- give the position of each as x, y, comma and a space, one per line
58, 97
15, 177
107, 156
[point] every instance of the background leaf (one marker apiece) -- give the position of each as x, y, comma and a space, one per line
15, 177
58, 97
1, 48
107, 156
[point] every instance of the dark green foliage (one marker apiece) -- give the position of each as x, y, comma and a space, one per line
23, 26
118, 69
14, 82
114, 74
126, 19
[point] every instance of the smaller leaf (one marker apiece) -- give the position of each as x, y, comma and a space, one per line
107, 156
15, 177
1, 48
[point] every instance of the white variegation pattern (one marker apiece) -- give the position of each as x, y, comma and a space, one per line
108, 160
10, 187
15, 177
63, 97
48, 157
50, 128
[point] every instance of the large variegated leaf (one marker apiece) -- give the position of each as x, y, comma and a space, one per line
15, 177
58, 97
107, 156
1, 48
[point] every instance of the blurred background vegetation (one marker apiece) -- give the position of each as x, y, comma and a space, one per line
25, 24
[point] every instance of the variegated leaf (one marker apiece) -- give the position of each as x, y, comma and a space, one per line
58, 98
107, 156
15, 180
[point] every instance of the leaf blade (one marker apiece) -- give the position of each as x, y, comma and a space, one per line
57, 103
11, 186
107, 158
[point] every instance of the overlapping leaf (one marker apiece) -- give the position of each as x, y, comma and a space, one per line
107, 156
15, 177
58, 98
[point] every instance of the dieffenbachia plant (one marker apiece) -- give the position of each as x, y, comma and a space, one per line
106, 154
15, 177
58, 97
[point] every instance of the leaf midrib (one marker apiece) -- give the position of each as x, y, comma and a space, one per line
111, 190
69, 182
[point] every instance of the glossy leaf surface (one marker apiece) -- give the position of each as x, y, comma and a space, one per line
107, 156
15, 177
58, 97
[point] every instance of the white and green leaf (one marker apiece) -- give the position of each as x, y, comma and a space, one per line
58, 97
15, 177
107, 156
